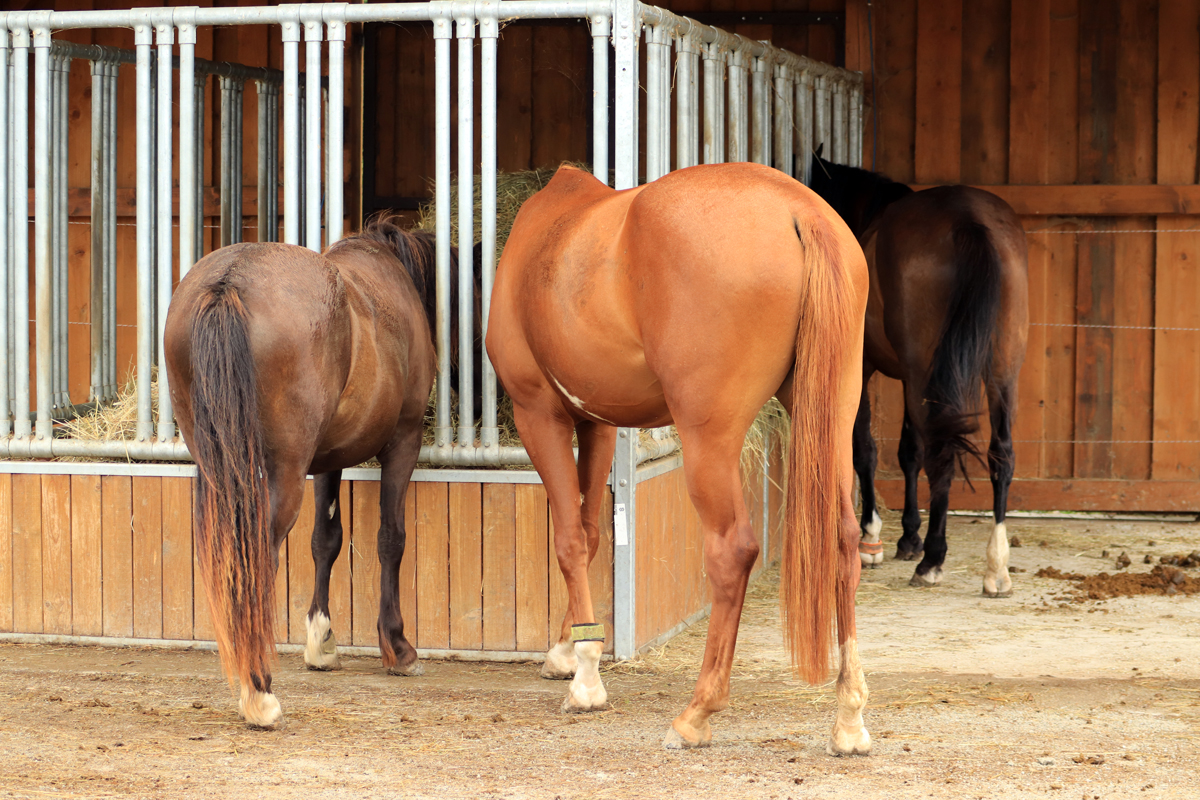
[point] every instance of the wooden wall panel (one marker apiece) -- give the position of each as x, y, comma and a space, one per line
937, 146
433, 565
985, 108
499, 566
301, 570
895, 61
364, 562
147, 557
87, 601
177, 601
466, 566
533, 561
27, 553
6, 554
116, 531
56, 554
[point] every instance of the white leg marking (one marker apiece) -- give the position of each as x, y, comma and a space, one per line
332, 509
871, 537
931, 578
320, 651
586, 692
849, 736
996, 582
260, 709
560, 662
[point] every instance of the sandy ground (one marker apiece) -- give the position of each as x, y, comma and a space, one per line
1028, 697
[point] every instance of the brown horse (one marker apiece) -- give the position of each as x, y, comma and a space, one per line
948, 312
692, 300
283, 362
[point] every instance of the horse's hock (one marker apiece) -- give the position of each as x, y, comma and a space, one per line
134, 177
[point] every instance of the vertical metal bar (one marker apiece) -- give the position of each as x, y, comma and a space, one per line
302, 156
166, 251
10, 189
41, 227
821, 114
654, 110
62, 212
839, 121
739, 147
686, 105
600, 129
312, 135
489, 30
201, 89
712, 119
291, 131
783, 119
143, 39
441, 34
760, 115
856, 127
238, 140
262, 144
112, 75
20, 232
187, 148
664, 102
466, 230
152, 194
804, 124
6, 116
334, 183
226, 84
273, 156
57, 168
99, 178
626, 26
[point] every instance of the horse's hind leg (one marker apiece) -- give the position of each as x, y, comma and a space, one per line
399, 656
941, 475
1001, 405
911, 453
870, 549
320, 651
730, 549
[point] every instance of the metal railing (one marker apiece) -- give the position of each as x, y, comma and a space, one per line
758, 103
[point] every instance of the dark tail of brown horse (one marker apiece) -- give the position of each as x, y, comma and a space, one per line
233, 536
809, 569
963, 354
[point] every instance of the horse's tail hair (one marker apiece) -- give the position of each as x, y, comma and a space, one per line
233, 537
809, 568
963, 354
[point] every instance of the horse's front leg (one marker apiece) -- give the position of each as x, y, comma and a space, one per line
1002, 403
397, 464
320, 650
870, 549
546, 433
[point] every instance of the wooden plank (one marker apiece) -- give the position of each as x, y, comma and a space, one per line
938, 144
116, 532
1101, 200
1176, 352
532, 556
896, 86
27, 553
1062, 145
1029, 92
1178, 91
561, 61
433, 565
466, 566
397, 85
499, 566
6, 554
1094, 357
341, 604
1029, 426
301, 569
86, 571
281, 593
1060, 312
514, 98
56, 554
985, 80
1098, 92
147, 557
1133, 349
364, 562
1134, 123
177, 558
1071, 495
646, 567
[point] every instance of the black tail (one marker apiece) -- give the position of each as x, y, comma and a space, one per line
963, 354
233, 537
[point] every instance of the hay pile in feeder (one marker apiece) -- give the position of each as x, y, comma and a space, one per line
116, 421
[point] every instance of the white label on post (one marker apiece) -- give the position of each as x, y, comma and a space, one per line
620, 526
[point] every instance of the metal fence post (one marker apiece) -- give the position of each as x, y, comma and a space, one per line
6, 114
687, 100
166, 254
335, 33
600, 127
804, 126
444, 433
291, 127
466, 230
143, 40
739, 127
489, 32
20, 232
42, 233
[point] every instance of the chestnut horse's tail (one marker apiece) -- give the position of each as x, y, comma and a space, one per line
233, 537
809, 569
963, 353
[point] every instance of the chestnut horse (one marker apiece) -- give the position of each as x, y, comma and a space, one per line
284, 362
692, 300
947, 314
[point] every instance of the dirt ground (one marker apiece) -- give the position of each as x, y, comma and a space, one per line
1041, 695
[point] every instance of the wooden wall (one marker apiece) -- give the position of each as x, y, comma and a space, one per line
1085, 117
112, 555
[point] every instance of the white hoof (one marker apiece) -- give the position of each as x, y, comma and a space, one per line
586, 692
560, 663
415, 669
849, 742
996, 581
260, 709
320, 651
931, 578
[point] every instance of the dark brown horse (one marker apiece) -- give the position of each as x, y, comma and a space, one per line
692, 300
947, 314
282, 363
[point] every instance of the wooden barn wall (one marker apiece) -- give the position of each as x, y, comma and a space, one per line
112, 556
1085, 116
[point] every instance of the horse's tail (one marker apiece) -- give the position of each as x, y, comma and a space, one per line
809, 569
963, 353
233, 537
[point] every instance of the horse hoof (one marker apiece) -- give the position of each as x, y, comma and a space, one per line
677, 741
931, 578
260, 710
999, 585
560, 663
849, 743
584, 699
413, 669
907, 555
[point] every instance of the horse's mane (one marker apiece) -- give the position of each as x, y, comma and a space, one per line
416, 250
858, 195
